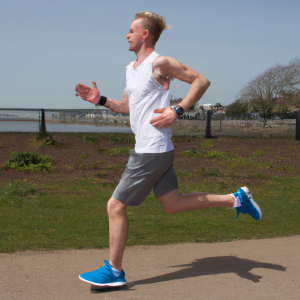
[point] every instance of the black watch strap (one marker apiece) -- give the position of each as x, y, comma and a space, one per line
102, 100
179, 110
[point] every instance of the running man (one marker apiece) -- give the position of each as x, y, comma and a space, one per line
150, 166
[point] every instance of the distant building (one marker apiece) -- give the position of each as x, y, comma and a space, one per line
207, 106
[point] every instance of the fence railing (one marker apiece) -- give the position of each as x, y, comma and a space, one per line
206, 123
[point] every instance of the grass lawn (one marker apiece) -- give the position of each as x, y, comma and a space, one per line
68, 208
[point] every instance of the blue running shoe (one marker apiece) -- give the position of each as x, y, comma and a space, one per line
248, 204
103, 277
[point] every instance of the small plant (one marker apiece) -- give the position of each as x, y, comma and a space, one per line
259, 176
120, 139
47, 139
113, 167
209, 172
216, 154
29, 161
259, 153
82, 166
94, 166
84, 156
100, 174
18, 188
289, 169
240, 163
93, 140
114, 151
192, 153
208, 144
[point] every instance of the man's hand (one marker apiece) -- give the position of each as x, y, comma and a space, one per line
88, 94
167, 117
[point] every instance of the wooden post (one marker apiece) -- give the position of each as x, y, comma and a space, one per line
298, 126
42, 121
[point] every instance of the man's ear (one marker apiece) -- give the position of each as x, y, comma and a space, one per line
146, 33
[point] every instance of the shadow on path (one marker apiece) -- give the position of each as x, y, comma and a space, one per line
205, 266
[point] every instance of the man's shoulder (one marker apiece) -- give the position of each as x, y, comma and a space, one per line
161, 61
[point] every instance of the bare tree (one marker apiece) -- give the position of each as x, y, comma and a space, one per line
263, 91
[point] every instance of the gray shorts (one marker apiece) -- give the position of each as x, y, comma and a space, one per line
144, 172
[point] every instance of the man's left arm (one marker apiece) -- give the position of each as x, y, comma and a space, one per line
199, 84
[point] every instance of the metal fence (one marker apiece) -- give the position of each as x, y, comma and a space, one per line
205, 123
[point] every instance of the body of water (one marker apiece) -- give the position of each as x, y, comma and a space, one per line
33, 126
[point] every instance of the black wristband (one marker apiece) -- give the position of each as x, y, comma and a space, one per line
178, 109
102, 100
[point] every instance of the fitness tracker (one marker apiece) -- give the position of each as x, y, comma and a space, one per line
178, 109
102, 100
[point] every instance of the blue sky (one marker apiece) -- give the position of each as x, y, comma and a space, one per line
47, 47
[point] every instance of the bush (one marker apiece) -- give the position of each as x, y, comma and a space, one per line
29, 161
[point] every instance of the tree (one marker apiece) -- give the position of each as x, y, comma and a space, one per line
263, 91
287, 103
239, 109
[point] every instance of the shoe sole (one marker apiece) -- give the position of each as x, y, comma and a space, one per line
248, 193
113, 284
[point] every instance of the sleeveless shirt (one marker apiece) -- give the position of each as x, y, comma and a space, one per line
145, 95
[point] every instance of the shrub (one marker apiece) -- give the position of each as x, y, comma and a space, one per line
29, 161
47, 139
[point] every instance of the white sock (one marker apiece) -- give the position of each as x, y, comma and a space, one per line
237, 200
116, 272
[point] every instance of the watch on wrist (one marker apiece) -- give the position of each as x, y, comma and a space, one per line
102, 100
178, 109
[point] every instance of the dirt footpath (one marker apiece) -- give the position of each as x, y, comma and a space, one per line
247, 269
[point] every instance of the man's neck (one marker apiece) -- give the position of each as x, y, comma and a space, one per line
142, 54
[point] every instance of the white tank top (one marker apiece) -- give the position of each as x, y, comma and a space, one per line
145, 95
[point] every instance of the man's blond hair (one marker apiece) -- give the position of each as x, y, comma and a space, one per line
154, 22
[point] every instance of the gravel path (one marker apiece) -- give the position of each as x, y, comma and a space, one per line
246, 269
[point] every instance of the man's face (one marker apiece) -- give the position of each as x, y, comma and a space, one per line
135, 35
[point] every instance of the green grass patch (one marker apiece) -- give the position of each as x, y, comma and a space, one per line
29, 161
60, 219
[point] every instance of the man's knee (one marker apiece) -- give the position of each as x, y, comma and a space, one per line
169, 209
115, 207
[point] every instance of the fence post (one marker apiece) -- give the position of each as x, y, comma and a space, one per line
298, 126
42, 121
208, 124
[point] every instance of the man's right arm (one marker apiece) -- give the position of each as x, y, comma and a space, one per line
117, 106
93, 96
